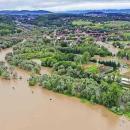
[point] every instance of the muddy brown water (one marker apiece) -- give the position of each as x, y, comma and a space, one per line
25, 108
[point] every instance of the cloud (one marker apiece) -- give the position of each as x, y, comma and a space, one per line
92, 5
61, 5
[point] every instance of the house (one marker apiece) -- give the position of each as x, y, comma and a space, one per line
125, 81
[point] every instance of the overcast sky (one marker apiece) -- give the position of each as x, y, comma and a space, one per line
61, 5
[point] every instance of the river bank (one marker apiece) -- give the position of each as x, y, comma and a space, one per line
25, 108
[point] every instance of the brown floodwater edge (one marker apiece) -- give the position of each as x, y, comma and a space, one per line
33, 108
25, 108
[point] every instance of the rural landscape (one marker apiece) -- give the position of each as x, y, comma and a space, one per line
65, 70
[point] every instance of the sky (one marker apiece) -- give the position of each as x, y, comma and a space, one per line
63, 5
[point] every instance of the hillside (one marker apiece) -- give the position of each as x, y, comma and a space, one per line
24, 12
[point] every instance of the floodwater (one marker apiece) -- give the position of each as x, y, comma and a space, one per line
25, 108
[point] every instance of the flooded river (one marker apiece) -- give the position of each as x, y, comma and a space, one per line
25, 108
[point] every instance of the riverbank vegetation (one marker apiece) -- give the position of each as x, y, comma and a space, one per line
8, 72
111, 95
4, 72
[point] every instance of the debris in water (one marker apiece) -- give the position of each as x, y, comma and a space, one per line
13, 88
20, 77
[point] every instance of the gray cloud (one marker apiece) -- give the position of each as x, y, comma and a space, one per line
62, 4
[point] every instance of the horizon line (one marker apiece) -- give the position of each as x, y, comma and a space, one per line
63, 11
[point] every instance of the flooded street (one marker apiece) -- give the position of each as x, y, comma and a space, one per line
25, 108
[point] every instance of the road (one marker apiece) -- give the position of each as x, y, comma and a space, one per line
109, 46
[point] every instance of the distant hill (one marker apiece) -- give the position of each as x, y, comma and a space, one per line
123, 11
24, 12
